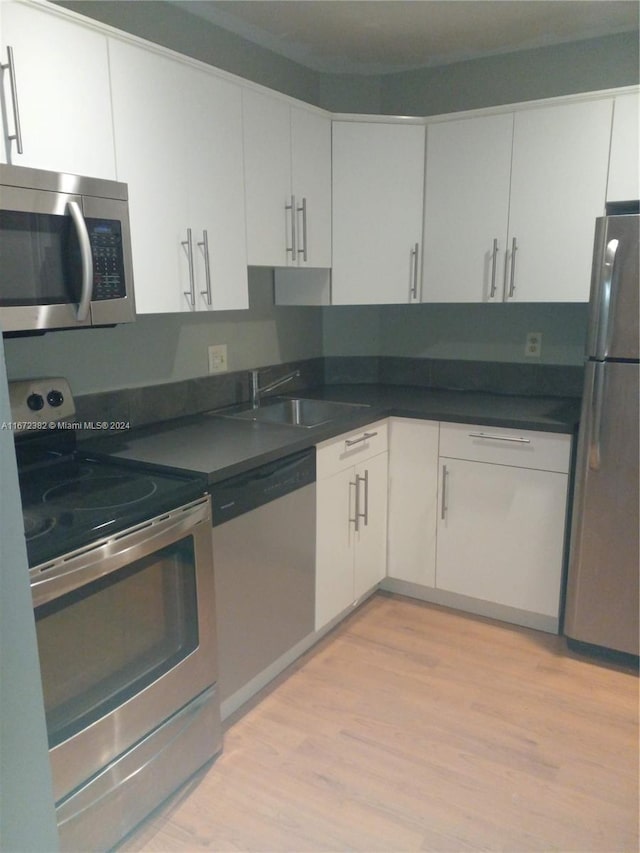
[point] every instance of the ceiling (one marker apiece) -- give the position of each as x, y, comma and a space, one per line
384, 36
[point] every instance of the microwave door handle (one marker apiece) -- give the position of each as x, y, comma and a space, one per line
86, 259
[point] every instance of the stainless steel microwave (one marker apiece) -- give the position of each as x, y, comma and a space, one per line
65, 251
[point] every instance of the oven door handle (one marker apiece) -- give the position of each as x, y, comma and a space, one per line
107, 555
86, 259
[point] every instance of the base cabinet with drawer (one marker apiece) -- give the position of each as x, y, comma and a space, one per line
494, 541
351, 507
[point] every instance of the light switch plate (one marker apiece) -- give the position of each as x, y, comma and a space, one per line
218, 358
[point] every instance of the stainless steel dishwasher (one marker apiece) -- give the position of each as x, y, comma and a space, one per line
264, 536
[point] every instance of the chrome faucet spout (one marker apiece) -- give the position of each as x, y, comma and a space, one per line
256, 390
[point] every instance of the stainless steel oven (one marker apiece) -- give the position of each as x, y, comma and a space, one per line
121, 572
65, 251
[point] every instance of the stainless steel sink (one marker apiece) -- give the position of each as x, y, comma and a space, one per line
296, 411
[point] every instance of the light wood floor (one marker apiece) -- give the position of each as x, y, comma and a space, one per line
413, 727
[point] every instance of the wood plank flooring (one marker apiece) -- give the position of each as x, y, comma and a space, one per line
414, 727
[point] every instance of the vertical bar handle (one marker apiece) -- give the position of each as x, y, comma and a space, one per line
606, 298
596, 415
191, 293
512, 278
86, 259
413, 291
356, 516
303, 210
10, 66
363, 515
443, 505
292, 207
204, 243
494, 258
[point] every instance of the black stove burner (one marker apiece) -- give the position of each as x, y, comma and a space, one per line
35, 525
101, 492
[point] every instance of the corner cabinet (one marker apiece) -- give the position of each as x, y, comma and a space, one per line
287, 159
351, 498
477, 518
510, 203
624, 161
56, 102
378, 172
178, 135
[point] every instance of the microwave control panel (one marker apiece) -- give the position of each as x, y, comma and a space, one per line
108, 262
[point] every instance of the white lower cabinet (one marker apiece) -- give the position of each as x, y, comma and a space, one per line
493, 542
413, 500
351, 499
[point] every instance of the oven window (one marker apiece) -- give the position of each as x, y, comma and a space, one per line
105, 642
39, 259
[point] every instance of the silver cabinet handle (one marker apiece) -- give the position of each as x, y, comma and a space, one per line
204, 243
494, 258
363, 515
349, 442
292, 208
596, 415
499, 437
413, 291
303, 210
443, 506
10, 66
356, 516
191, 293
86, 259
512, 278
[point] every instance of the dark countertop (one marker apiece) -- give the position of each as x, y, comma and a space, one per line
220, 447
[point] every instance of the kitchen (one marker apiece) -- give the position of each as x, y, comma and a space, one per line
169, 348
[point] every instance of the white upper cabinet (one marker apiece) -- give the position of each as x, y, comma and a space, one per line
558, 186
468, 176
624, 181
511, 201
60, 93
178, 133
287, 157
378, 172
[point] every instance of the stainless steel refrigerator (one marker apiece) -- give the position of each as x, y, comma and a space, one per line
602, 585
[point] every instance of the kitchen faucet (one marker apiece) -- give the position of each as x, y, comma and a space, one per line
254, 385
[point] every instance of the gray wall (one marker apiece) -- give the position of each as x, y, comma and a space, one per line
167, 347
27, 816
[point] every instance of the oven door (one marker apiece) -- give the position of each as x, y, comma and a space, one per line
126, 638
65, 260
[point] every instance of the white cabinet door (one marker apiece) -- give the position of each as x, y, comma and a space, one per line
148, 92
267, 163
413, 500
62, 86
178, 133
370, 564
215, 180
501, 538
378, 174
467, 183
287, 156
311, 185
558, 185
624, 181
335, 506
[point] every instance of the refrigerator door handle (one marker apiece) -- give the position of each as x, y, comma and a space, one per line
606, 296
597, 397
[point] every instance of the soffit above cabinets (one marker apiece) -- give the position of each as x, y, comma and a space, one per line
386, 36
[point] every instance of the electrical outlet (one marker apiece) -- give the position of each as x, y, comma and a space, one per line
218, 358
533, 345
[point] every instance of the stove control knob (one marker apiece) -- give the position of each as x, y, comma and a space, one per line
35, 402
55, 398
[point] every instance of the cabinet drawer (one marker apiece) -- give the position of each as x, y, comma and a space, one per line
349, 449
546, 451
